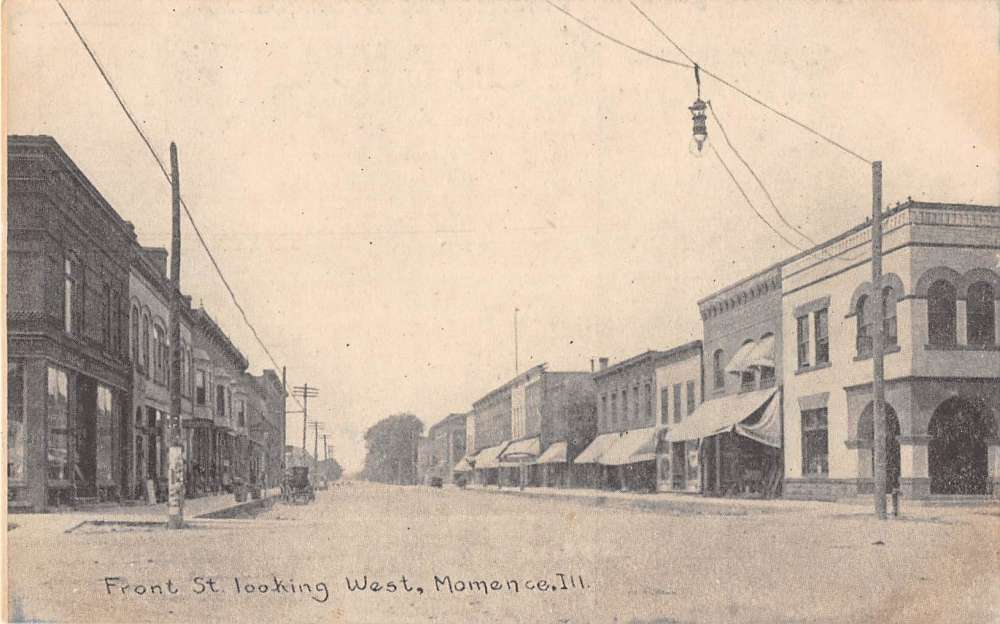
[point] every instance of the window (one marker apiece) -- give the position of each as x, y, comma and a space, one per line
220, 401
635, 401
614, 408
677, 403
199, 387
820, 320
68, 285
134, 336
664, 406
625, 414
145, 344
691, 397
889, 316
802, 340
748, 380
718, 369
604, 411
57, 422
980, 328
106, 316
15, 421
864, 331
241, 413
159, 365
648, 396
814, 443
941, 313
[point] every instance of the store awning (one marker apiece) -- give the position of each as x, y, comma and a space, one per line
633, 446
740, 361
463, 465
555, 454
763, 353
490, 457
521, 451
725, 414
592, 453
765, 428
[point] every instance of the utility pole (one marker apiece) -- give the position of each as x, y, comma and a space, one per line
878, 347
284, 418
326, 447
175, 455
304, 391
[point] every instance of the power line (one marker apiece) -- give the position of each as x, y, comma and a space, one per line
747, 95
747, 198
718, 78
618, 41
163, 169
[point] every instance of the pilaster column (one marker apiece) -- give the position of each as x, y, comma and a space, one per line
960, 319
996, 320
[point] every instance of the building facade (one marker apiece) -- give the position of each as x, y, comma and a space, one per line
68, 364
448, 438
941, 287
678, 392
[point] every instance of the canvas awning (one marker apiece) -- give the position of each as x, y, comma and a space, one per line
740, 361
490, 457
763, 353
521, 451
632, 446
463, 465
764, 426
555, 454
593, 452
713, 417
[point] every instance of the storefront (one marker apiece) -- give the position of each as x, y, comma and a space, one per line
630, 461
587, 470
517, 459
553, 465
488, 469
739, 442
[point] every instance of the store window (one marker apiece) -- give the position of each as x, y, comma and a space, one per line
15, 421
105, 474
57, 422
815, 449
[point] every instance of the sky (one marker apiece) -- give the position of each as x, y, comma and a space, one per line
384, 183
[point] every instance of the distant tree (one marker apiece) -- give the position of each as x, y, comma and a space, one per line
331, 469
392, 449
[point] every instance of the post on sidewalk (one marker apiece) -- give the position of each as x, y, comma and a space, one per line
878, 348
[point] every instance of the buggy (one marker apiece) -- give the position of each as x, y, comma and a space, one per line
296, 487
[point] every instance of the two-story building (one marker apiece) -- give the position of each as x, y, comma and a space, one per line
67, 361
738, 425
941, 303
678, 391
448, 439
219, 369
149, 345
492, 427
269, 430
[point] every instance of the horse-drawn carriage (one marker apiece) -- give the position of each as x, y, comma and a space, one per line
296, 486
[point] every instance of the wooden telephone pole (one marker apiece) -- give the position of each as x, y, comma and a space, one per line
175, 457
878, 348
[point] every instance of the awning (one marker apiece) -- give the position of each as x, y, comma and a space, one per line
490, 457
632, 446
592, 453
463, 465
740, 361
763, 353
555, 454
724, 414
765, 428
521, 451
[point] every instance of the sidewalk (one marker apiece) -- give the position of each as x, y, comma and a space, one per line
687, 503
66, 520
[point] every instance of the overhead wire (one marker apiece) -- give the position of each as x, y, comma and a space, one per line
166, 174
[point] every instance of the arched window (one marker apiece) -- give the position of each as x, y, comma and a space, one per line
718, 369
135, 336
864, 334
941, 313
145, 344
889, 311
981, 329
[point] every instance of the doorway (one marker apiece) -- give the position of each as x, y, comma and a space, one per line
85, 466
957, 455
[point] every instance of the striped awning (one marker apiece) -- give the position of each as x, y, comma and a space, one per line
632, 446
521, 451
729, 414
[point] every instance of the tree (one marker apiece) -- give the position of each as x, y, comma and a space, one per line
391, 445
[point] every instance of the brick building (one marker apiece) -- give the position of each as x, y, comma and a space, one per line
448, 440
678, 392
68, 256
